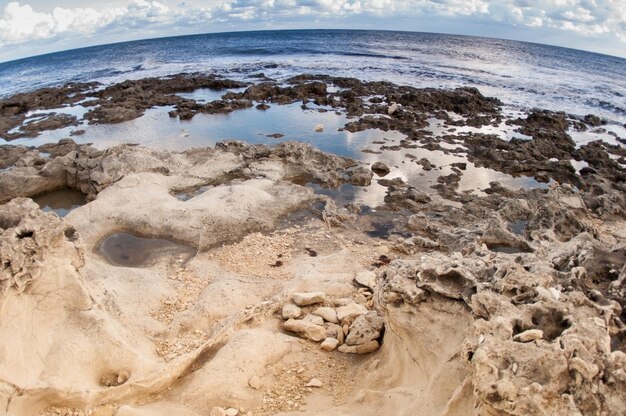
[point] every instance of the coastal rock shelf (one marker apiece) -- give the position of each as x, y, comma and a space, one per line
248, 279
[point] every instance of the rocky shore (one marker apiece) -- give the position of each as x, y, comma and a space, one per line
215, 281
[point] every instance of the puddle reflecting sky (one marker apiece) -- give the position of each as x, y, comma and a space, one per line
61, 201
159, 131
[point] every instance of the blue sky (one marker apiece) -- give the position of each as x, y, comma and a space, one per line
32, 27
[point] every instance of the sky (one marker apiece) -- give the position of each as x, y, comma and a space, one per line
33, 27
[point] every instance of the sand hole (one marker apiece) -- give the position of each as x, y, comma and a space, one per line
114, 378
128, 250
61, 201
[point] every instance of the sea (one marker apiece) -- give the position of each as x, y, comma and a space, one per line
523, 75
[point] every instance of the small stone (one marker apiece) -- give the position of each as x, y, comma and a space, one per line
481, 339
351, 310
314, 319
366, 278
291, 311
231, 412
300, 370
555, 293
328, 314
514, 368
255, 382
314, 383
392, 108
319, 128
217, 411
329, 344
359, 349
308, 298
360, 299
529, 335
341, 337
306, 329
380, 168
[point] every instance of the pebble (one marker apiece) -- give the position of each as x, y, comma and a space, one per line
319, 128
255, 382
314, 383
308, 298
231, 412
529, 335
217, 411
329, 344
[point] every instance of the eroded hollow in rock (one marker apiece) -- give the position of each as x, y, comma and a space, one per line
61, 201
502, 248
518, 227
128, 250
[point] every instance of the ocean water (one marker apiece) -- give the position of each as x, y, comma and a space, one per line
522, 75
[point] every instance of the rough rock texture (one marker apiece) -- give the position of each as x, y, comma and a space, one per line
503, 302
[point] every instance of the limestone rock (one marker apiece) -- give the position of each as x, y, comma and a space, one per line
366, 278
314, 319
365, 328
291, 311
306, 329
308, 298
352, 310
359, 349
328, 314
329, 344
529, 335
314, 383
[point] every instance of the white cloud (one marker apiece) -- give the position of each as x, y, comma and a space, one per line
22, 23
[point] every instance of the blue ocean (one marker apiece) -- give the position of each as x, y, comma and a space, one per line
522, 75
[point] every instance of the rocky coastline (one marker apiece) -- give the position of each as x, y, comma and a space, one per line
280, 300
